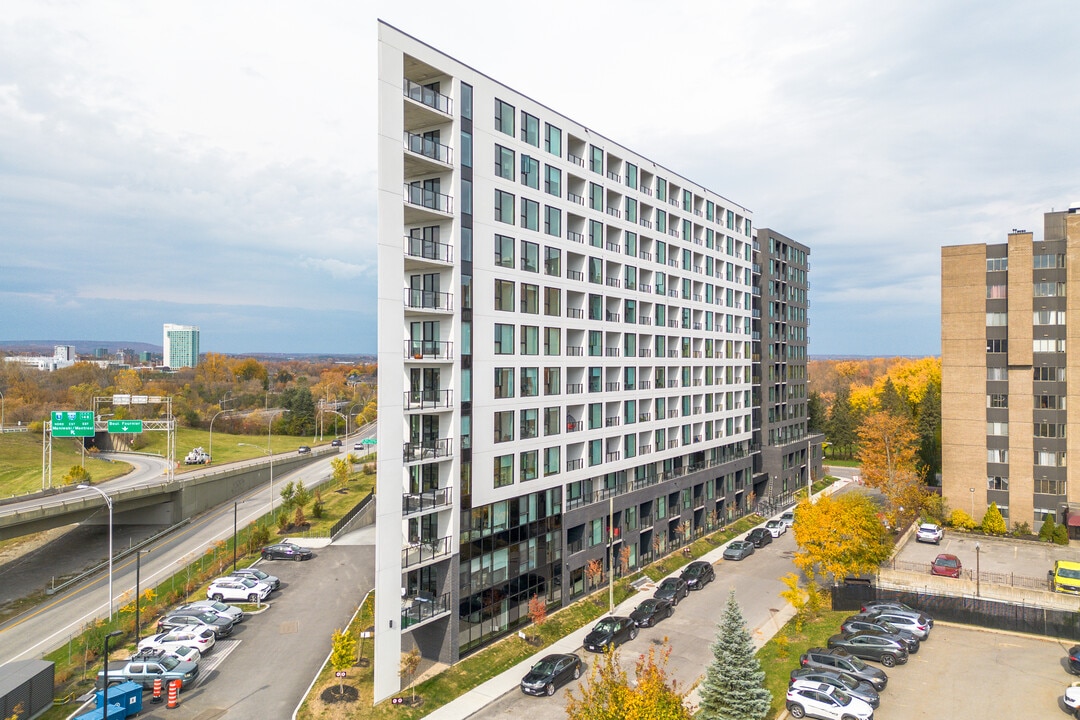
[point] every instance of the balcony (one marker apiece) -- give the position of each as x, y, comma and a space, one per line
575, 388
423, 249
645, 417
577, 426
429, 350
575, 159
434, 449
429, 202
575, 350
425, 551
576, 237
417, 609
612, 456
428, 148
611, 175
612, 282
611, 352
613, 386
575, 275
426, 96
428, 399
412, 503
644, 450
614, 212
611, 422
428, 300
575, 464
575, 198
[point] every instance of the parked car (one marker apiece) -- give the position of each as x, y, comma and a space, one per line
611, 631
929, 533
888, 651
760, 537
1074, 659
672, 589
335, 442
185, 653
916, 624
550, 673
738, 549
192, 636
230, 611
145, 667
874, 605
698, 574
237, 589
303, 450
788, 517
842, 661
258, 575
285, 551
852, 686
1072, 698
222, 627
776, 528
946, 565
652, 611
818, 700
855, 624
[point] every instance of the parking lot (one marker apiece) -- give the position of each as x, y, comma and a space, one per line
965, 672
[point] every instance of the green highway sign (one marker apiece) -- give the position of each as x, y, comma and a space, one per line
125, 426
72, 423
368, 441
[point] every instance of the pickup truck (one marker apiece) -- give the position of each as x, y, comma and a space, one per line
145, 667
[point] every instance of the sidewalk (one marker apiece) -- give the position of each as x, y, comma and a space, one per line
479, 697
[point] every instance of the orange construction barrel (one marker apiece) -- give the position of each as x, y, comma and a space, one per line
174, 694
156, 697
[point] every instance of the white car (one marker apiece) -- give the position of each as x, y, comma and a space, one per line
188, 636
776, 528
818, 700
237, 589
229, 611
1072, 698
929, 533
788, 518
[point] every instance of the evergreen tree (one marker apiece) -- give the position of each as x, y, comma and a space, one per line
815, 412
733, 688
842, 424
929, 429
993, 523
1046, 532
891, 401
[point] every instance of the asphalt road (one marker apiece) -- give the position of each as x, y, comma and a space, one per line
65, 614
690, 631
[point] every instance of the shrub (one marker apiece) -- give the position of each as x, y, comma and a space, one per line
961, 520
1061, 535
992, 522
1021, 529
1046, 532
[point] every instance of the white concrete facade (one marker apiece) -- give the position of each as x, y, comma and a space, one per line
575, 321
180, 346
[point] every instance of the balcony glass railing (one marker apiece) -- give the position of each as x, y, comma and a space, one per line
429, 349
412, 503
425, 249
428, 147
425, 198
427, 96
425, 550
424, 606
428, 399
427, 449
428, 300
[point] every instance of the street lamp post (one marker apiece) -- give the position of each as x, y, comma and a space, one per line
108, 503
105, 677
346, 421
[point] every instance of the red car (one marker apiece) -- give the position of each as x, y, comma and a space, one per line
946, 566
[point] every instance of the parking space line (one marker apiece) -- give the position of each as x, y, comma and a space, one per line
222, 650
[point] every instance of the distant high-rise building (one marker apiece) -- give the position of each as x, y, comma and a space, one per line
1008, 330
181, 346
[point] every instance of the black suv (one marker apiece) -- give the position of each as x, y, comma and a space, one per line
698, 574
760, 537
885, 649
844, 662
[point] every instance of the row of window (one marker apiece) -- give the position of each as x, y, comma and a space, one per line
1039, 289
505, 122
1039, 345
1039, 430
1042, 402
1042, 458
1038, 317
1040, 374
597, 344
1038, 262
593, 380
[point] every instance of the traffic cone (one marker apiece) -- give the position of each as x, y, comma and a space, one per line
156, 697
174, 694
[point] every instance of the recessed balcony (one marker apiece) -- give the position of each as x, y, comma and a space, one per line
425, 205
425, 551
428, 301
425, 155
429, 350
434, 449
424, 106
428, 399
413, 503
418, 609
422, 251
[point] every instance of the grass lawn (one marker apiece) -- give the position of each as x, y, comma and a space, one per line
20, 462
226, 447
780, 655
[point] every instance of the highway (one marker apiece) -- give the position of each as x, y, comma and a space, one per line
65, 614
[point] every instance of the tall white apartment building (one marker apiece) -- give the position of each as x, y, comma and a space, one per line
565, 350
180, 346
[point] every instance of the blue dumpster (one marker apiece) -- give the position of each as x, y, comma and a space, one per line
116, 712
127, 695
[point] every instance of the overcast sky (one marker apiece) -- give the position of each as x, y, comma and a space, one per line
213, 163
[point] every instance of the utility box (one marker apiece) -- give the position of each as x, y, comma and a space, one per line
127, 695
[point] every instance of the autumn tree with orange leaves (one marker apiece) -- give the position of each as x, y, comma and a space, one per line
609, 694
839, 536
888, 451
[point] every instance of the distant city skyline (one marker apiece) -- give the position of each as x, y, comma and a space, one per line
224, 173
